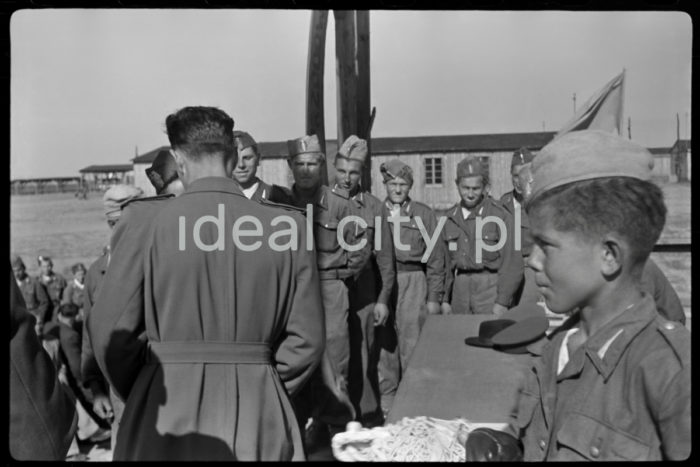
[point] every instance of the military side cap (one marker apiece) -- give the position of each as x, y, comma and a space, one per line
396, 169
469, 167
521, 157
243, 140
118, 195
354, 148
305, 145
163, 171
587, 155
516, 338
488, 329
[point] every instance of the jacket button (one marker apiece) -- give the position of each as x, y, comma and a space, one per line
543, 443
669, 326
595, 452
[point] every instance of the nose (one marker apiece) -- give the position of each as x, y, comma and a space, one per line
534, 261
241, 165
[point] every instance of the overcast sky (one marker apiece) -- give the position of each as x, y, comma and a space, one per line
89, 86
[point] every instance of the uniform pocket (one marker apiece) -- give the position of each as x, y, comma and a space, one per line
326, 235
411, 237
596, 440
490, 238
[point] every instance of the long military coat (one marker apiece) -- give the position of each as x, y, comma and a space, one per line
230, 334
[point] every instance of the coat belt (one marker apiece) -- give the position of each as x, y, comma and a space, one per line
332, 274
209, 352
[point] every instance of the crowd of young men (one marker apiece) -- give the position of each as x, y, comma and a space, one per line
255, 352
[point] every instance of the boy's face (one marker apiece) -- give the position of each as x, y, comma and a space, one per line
471, 190
566, 265
347, 173
46, 267
247, 166
397, 190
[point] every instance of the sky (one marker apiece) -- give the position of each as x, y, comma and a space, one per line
94, 86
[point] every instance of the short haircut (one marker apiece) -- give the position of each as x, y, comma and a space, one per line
628, 206
68, 310
44, 259
201, 131
78, 267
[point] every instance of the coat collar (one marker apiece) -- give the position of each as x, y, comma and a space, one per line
222, 184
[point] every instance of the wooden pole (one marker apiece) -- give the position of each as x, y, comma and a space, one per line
364, 102
346, 69
314, 81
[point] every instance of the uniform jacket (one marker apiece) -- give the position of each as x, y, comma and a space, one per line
330, 206
54, 287
42, 416
667, 302
460, 236
411, 236
90, 371
262, 192
36, 299
631, 404
383, 259
526, 241
199, 308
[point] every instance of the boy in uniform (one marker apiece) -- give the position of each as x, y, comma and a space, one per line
613, 382
486, 284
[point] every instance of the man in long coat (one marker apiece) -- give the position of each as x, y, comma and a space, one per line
233, 326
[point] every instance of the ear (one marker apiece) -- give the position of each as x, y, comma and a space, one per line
180, 163
289, 163
613, 255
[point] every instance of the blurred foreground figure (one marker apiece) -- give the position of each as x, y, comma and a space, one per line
42, 416
210, 342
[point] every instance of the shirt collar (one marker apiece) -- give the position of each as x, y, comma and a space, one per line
405, 206
606, 346
222, 184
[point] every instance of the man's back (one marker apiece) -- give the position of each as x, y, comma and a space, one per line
216, 323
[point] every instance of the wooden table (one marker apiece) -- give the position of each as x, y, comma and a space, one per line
448, 379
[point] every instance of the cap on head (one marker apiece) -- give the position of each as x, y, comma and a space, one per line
116, 196
16, 261
305, 145
353, 148
163, 171
396, 169
243, 140
521, 157
587, 155
470, 167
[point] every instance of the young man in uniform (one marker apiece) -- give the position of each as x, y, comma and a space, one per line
514, 203
337, 266
485, 271
230, 329
35, 298
54, 284
246, 169
420, 272
371, 293
613, 382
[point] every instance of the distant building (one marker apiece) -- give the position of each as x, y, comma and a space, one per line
38, 186
680, 155
101, 177
663, 172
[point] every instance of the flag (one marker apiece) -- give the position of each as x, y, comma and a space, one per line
603, 111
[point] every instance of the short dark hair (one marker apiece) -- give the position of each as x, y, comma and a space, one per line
201, 130
68, 310
78, 266
628, 206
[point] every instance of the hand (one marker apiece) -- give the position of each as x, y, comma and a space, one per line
381, 314
446, 308
39, 330
498, 310
62, 377
433, 308
485, 444
103, 407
